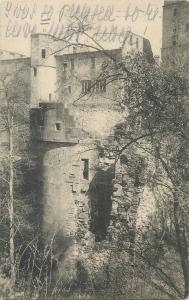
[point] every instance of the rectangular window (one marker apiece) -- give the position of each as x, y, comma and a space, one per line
72, 64
114, 58
43, 53
65, 65
58, 126
69, 89
50, 96
35, 71
85, 168
93, 62
187, 27
174, 12
41, 120
131, 39
86, 86
174, 43
137, 43
100, 86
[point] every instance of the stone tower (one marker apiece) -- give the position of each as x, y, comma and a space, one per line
175, 43
69, 128
43, 66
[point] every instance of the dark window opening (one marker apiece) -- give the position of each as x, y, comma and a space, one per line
65, 65
174, 43
35, 71
85, 168
100, 203
69, 89
50, 96
175, 12
58, 126
114, 58
86, 86
41, 120
131, 39
187, 27
72, 64
93, 62
174, 30
100, 86
43, 53
137, 43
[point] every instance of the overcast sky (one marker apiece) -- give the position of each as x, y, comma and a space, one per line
113, 17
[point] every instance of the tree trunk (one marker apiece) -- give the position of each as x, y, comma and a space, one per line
11, 206
179, 230
182, 243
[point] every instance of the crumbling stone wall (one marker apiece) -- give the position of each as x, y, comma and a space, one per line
94, 217
101, 260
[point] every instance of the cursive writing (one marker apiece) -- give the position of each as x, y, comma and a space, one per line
133, 13
20, 11
59, 22
98, 13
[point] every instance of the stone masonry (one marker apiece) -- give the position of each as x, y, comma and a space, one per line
83, 194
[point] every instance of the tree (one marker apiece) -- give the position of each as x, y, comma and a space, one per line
157, 125
14, 154
154, 102
154, 134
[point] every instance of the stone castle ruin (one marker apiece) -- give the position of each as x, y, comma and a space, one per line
84, 195
68, 128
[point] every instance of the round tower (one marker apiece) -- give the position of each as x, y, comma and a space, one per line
43, 68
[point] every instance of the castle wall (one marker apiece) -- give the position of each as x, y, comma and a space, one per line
12, 66
62, 190
71, 188
43, 67
66, 164
175, 40
43, 84
135, 43
64, 185
96, 112
7, 55
75, 183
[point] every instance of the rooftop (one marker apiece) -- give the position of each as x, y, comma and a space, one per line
90, 53
90, 50
4, 55
171, 2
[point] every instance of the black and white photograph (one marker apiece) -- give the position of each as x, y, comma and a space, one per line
94, 149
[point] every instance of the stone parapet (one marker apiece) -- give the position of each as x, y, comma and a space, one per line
52, 122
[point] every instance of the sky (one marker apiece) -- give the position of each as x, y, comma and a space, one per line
110, 19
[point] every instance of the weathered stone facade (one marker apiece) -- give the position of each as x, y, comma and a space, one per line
175, 43
85, 196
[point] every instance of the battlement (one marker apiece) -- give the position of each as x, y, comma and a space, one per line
52, 122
